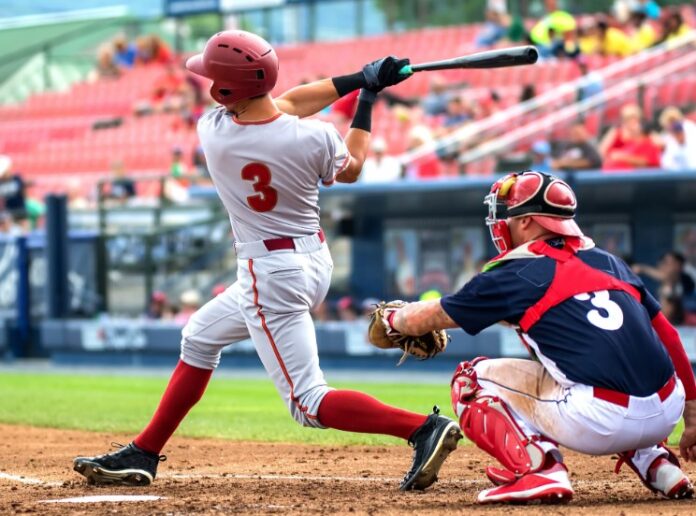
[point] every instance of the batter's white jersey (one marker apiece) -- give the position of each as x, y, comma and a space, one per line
267, 173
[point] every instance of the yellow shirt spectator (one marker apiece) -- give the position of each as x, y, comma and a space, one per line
644, 37
616, 43
560, 21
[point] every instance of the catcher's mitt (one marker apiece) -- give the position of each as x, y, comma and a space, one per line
382, 335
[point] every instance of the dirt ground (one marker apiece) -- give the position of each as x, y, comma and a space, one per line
222, 477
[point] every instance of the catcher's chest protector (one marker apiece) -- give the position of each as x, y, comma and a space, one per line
571, 277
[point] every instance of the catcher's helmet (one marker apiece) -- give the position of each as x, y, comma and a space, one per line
549, 201
241, 65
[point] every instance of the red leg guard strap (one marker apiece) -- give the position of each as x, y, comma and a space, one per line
488, 423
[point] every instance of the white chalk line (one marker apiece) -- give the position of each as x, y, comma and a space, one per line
22, 479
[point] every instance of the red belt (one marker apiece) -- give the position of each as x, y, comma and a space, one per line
277, 244
622, 399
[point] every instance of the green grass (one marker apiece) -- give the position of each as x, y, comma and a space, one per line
246, 410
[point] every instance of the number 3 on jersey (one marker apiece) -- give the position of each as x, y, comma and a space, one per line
613, 320
266, 196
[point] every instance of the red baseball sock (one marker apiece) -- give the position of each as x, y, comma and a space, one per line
185, 389
354, 411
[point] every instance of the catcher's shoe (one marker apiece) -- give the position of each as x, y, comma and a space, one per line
432, 442
665, 476
129, 466
550, 485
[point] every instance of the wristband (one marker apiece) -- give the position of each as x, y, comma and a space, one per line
344, 84
363, 116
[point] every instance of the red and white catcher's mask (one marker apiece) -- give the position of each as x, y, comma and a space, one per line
549, 201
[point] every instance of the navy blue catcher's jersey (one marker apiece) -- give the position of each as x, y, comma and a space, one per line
603, 339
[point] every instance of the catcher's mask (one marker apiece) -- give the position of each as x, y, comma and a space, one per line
549, 201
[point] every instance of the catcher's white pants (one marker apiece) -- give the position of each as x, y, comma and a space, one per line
270, 302
574, 418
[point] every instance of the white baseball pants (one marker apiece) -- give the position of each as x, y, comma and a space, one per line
574, 418
270, 302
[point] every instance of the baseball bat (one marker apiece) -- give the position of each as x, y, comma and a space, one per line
514, 56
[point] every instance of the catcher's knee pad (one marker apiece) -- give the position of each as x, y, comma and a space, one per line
489, 424
464, 384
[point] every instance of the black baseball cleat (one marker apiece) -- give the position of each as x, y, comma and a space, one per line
129, 466
432, 443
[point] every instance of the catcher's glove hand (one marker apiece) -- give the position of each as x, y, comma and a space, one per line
384, 336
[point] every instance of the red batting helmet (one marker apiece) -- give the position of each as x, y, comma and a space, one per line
549, 201
241, 65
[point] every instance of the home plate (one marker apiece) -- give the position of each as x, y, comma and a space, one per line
106, 498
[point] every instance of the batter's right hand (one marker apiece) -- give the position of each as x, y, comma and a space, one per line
384, 72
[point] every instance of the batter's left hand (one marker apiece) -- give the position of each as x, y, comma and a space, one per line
687, 444
384, 72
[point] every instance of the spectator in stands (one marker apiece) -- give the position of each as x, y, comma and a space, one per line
528, 92
76, 198
106, 68
178, 168
612, 41
125, 53
673, 308
675, 283
346, 309
151, 49
435, 102
189, 301
158, 308
541, 156
380, 167
630, 145
650, 8
168, 93
496, 26
592, 84
12, 193
122, 187
176, 186
679, 140
491, 104
673, 26
552, 26
641, 31
578, 153
457, 114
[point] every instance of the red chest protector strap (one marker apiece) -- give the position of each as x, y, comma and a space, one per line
572, 277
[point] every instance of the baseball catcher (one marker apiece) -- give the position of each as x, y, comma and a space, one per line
608, 373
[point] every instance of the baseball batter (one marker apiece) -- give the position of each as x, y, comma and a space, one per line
602, 380
266, 161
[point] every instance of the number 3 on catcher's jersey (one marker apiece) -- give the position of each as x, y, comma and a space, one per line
266, 196
613, 320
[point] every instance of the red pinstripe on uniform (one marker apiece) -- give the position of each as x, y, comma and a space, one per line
272, 341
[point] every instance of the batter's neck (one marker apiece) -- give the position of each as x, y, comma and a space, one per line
255, 110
